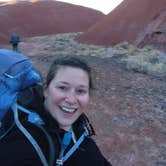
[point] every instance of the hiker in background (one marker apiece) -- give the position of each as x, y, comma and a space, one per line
62, 107
14, 40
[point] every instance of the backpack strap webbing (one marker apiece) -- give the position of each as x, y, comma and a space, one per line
51, 145
62, 158
31, 139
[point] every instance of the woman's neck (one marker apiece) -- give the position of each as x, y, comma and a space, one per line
66, 128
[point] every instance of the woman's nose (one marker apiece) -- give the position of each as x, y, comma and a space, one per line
71, 97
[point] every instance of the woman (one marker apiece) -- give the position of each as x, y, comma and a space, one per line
67, 130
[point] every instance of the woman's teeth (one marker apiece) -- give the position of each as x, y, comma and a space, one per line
68, 109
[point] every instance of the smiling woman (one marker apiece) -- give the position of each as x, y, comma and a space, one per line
68, 94
67, 137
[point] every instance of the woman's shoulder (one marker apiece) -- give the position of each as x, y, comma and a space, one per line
20, 148
14, 148
88, 154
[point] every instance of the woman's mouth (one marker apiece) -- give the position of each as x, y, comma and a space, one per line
68, 110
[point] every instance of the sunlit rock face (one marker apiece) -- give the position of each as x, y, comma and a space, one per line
42, 17
138, 22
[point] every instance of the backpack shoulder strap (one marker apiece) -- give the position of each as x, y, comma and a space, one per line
62, 158
35, 119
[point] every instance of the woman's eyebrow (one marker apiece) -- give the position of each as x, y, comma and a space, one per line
66, 83
62, 82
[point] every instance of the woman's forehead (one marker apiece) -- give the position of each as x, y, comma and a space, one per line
70, 70
71, 74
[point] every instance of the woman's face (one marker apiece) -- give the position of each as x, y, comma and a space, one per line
67, 95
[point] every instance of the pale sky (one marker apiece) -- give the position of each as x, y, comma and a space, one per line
103, 5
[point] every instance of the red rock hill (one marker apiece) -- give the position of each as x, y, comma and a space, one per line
139, 22
35, 18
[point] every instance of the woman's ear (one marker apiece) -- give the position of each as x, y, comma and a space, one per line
45, 91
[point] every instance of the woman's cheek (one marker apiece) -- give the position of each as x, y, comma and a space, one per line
85, 102
56, 95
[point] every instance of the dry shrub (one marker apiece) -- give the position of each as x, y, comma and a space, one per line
146, 60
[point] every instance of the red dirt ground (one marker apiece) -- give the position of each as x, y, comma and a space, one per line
128, 109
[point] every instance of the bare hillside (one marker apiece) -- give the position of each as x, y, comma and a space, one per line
140, 22
43, 17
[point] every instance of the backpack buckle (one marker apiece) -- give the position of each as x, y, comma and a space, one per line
59, 162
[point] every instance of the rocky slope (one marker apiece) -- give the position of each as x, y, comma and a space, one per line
42, 17
128, 108
140, 22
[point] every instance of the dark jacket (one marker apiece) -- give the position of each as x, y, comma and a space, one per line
16, 150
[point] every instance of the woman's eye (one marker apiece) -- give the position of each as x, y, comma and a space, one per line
81, 91
63, 88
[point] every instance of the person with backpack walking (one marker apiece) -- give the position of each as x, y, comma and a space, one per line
14, 40
63, 133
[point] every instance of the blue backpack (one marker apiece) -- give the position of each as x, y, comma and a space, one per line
16, 76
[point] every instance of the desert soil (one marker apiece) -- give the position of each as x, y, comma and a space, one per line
128, 109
